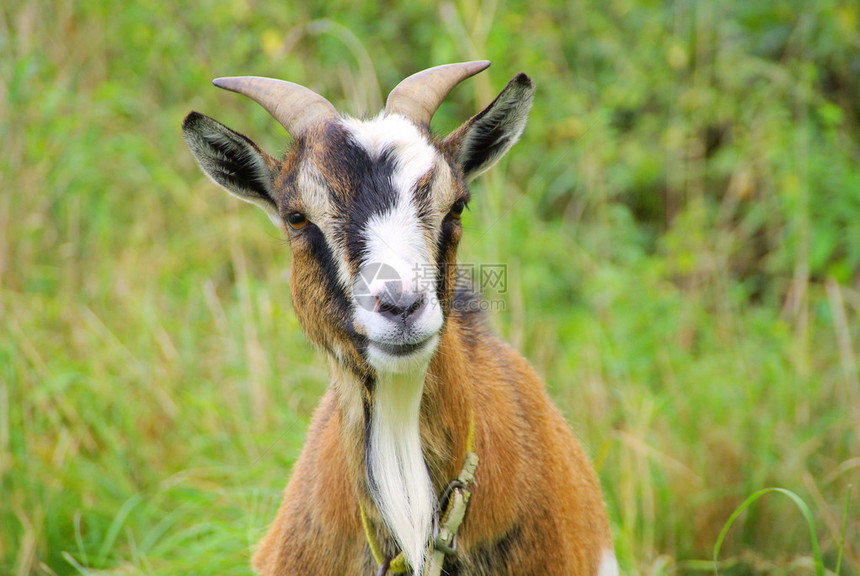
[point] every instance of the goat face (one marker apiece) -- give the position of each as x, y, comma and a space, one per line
375, 196
372, 212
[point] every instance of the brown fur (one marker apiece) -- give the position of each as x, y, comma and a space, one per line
536, 506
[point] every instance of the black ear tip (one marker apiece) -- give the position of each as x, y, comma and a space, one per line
521, 84
523, 81
192, 120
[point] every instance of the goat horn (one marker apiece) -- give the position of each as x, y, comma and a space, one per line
418, 96
295, 107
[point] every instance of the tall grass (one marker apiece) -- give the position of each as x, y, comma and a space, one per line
680, 223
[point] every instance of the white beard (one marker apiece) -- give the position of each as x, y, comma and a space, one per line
400, 483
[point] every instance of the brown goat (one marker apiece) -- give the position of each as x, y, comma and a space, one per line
417, 381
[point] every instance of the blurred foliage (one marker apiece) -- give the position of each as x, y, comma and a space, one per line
680, 222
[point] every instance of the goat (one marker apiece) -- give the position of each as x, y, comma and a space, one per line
417, 380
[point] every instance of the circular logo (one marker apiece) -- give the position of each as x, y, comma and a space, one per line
369, 278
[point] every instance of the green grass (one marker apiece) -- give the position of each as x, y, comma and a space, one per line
681, 226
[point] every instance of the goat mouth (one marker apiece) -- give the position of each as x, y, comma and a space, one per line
399, 349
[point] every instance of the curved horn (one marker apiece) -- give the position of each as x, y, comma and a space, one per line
295, 107
418, 97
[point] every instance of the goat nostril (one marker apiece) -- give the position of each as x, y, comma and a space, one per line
404, 306
415, 306
388, 308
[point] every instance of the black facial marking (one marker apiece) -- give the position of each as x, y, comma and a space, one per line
444, 246
337, 306
323, 255
373, 194
362, 188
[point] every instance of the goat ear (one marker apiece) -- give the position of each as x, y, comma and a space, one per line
232, 161
482, 140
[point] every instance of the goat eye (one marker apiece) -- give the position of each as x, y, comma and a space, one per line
457, 208
297, 220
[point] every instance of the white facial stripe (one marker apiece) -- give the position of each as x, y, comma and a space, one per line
395, 238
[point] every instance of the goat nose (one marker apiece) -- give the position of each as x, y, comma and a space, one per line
398, 304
